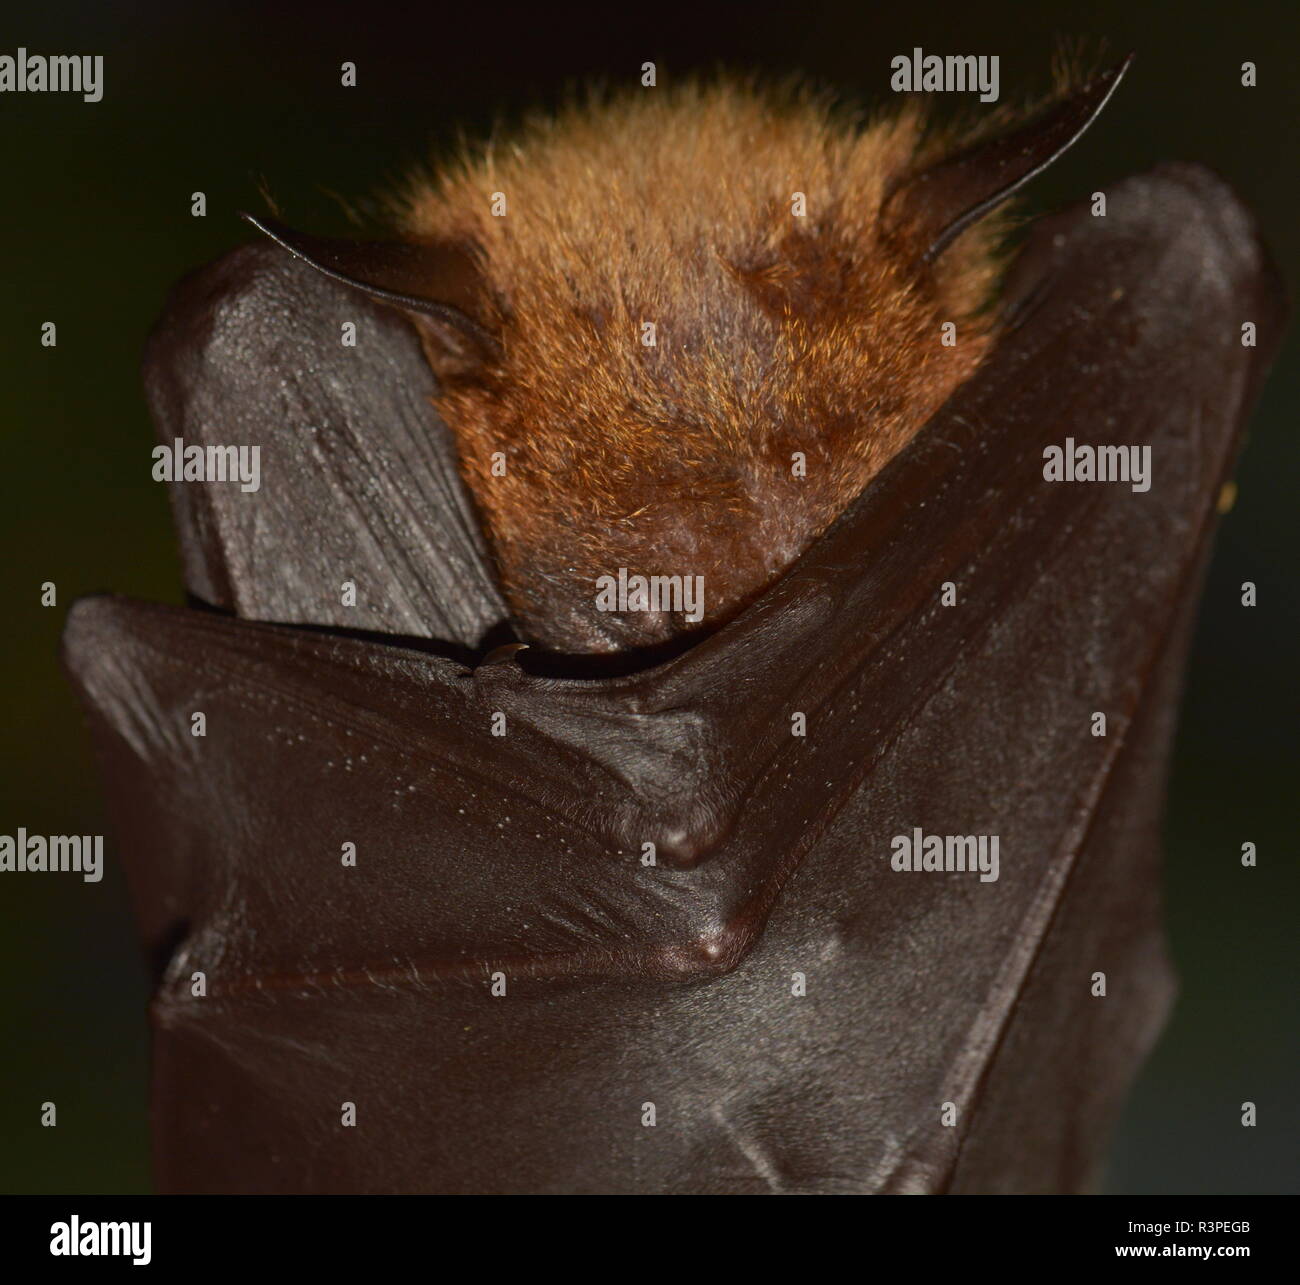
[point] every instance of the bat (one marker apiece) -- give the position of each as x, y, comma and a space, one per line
851, 885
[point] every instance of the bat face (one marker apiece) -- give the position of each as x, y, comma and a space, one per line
818, 904
680, 383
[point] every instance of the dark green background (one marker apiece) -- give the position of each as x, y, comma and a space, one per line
96, 226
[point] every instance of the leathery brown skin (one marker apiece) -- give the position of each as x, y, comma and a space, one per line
518, 856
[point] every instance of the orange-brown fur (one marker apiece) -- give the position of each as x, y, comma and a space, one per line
775, 334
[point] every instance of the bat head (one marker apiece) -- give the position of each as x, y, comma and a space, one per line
675, 334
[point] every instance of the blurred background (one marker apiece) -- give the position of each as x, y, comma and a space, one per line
96, 218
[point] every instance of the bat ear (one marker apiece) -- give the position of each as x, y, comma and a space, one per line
940, 203
404, 275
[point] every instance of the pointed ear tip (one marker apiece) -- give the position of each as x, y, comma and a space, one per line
1093, 97
1113, 75
267, 227
283, 236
